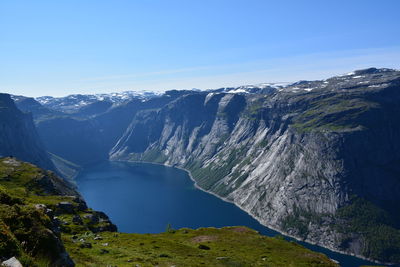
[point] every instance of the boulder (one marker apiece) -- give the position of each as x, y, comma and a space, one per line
81, 203
12, 262
93, 218
109, 227
77, 219
65, 207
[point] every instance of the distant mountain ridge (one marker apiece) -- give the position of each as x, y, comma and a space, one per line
87, 139
72, 103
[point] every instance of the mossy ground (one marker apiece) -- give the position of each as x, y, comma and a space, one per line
334, 113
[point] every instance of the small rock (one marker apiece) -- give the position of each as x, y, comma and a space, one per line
93, 219
12, 262
12, 162
98, 238
50, 213
201, 246
56, 222
105, 244
85, 245
77, 219
109, 227
81, 203
104, 251
40, 207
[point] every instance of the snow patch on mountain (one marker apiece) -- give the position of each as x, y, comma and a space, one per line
72, 103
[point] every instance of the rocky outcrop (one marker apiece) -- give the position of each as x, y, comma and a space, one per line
304, 159
31, 230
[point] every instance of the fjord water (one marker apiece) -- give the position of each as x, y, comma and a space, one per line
145, 198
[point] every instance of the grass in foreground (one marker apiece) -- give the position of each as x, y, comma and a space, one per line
229, 246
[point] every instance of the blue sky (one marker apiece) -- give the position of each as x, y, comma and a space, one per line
93, 46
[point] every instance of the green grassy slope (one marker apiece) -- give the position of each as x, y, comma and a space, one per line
229, 246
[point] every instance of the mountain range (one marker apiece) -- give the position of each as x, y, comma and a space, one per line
317, 160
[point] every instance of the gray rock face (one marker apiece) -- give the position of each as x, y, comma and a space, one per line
297, 159
18, 136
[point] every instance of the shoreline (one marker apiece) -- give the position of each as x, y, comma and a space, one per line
263, 224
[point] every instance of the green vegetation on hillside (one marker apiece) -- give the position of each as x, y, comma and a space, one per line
334, 113
24, 228
299, 221
382, 240
207, 177
229, 246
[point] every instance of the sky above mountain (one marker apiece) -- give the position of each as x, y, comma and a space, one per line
93, 46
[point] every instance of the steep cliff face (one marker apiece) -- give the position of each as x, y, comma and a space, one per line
318, 160
85, 140
18, 136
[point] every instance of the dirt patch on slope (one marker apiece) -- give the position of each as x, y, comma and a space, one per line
204, 238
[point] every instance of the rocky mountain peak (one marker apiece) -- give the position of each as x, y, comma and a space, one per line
372, 71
